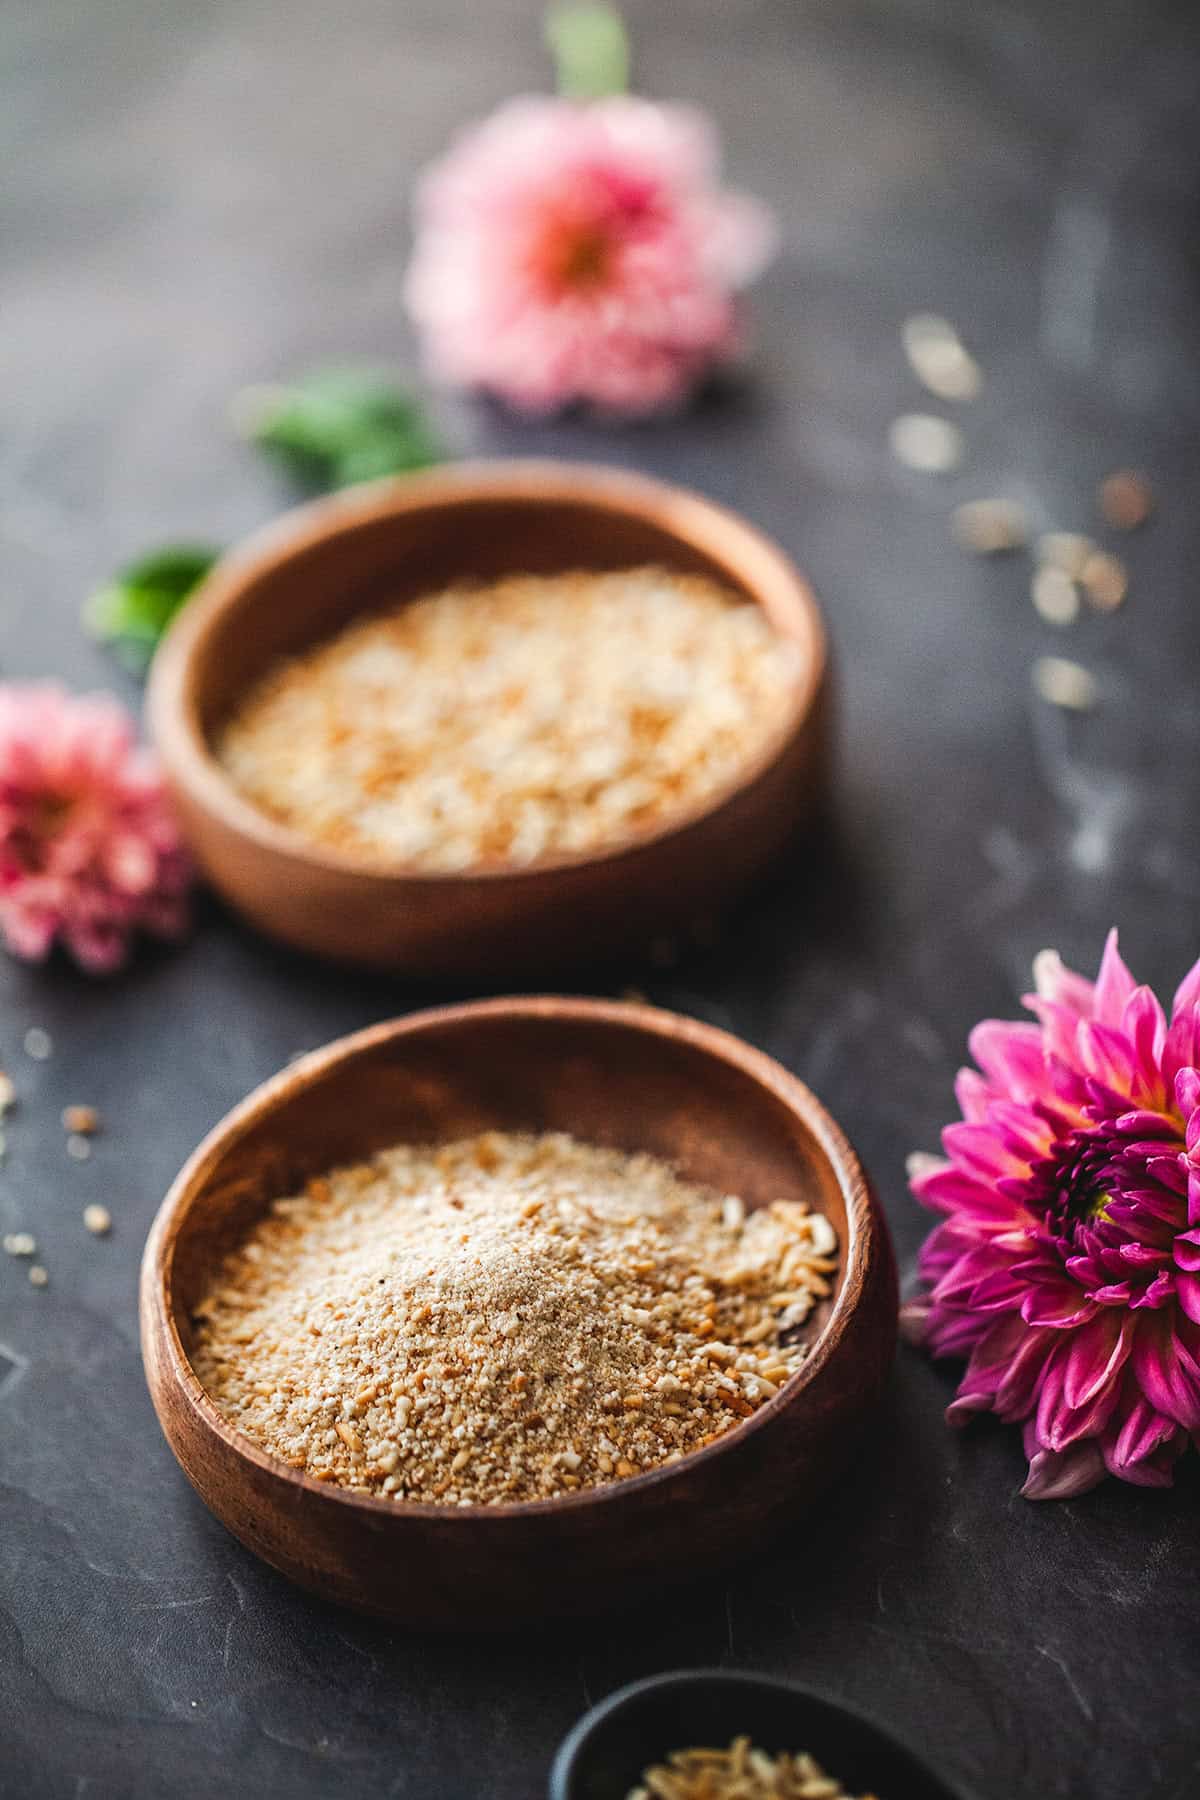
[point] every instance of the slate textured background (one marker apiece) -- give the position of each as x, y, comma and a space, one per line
202, 196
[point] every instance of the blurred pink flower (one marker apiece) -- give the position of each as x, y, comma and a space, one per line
1067, 1267
89, 851
582, 251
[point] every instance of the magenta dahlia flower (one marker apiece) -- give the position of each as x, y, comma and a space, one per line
89, 851
582, 251
1067, 1267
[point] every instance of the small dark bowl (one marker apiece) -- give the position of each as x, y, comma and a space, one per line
604, 1756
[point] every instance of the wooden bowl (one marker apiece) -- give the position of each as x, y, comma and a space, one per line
304, 577
629, 1076
604, 1756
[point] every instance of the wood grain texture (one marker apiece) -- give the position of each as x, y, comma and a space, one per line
306, 576
634, 1077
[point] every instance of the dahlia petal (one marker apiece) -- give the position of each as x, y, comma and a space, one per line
1021, 1131
964, 1407
1106, 1054
1187, 994
130, 863
950, 1189
988, 1369
1145, 1127
1143, 1255
1187, 1250
1148, 1214
100, 949
1169, 1172
1187, 1290
920, 1163
1140, 1447
960, 1281
1095, 1357
1182, 1048
741, 240
1018, 1389
1187, 1091
1155, 1471
1167, 1382
1114, 984
1144, 1023
1059, 1026
1056, 1305
1060, 985
914, 1320
1060, 1475
1011, 1054
1002, 1291
1057, 1424
946, 1243
1113, 1293
28, 933
1158, 1294
977, 1149
973, 1094
954, 1332
988, 1365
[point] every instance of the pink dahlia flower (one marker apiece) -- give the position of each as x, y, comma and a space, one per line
582, 251
89, 851
1067, 1267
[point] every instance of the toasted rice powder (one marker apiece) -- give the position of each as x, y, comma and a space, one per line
742, 1772
538, 717
506, 1318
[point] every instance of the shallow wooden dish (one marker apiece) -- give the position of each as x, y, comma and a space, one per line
630, 1076
305, 576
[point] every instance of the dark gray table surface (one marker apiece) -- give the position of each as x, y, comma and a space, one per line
199, 196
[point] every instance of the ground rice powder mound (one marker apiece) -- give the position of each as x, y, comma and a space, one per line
506, 1318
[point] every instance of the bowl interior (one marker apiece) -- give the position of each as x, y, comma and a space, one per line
623, 1076
352, 556
605, 1755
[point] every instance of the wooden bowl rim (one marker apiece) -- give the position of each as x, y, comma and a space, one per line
657, 1022
688, 516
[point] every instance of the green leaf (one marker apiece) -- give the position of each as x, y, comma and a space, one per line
590, 47
336, 427
131, 612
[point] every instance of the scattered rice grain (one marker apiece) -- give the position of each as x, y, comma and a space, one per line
1054, 595
1065, 550
926, 443
939, 359
1126, 500
1104, 581
1064, 683
81, 1121
990, 527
